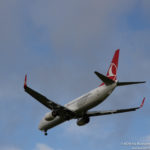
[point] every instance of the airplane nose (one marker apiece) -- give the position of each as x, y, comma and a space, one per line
40, 127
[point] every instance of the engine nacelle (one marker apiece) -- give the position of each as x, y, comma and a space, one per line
49, 116
83, 121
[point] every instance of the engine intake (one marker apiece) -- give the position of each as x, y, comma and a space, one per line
50, 116
83, 121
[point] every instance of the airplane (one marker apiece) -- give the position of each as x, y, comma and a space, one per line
79, 107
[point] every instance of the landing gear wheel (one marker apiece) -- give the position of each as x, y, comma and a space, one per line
45, 133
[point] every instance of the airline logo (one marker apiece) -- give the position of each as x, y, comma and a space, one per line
112, 71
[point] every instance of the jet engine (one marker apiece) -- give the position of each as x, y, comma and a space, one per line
49, 116
83, 121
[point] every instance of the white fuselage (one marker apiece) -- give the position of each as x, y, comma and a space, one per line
81, 104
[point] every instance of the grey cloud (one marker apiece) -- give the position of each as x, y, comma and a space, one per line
10, 31
9, 148
39, 146
79, 27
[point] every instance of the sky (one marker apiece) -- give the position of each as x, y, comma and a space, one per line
59, 44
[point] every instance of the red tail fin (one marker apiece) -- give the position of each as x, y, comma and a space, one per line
112, 71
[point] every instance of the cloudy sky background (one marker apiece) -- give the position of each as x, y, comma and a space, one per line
59, 44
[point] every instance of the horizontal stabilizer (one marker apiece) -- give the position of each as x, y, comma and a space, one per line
105, 79
129, 83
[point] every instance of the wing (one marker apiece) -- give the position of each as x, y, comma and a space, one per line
100, 113
61, 110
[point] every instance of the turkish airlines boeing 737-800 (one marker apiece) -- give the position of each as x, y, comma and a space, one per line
79, 108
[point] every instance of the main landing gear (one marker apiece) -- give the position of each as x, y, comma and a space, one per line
45, 133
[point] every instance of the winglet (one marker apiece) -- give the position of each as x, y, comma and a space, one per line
142, 103
25, 81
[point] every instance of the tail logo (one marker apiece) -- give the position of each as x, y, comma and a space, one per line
112, 70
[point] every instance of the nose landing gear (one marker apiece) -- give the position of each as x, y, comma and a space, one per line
45, 133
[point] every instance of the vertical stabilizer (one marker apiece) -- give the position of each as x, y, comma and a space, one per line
112, 71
